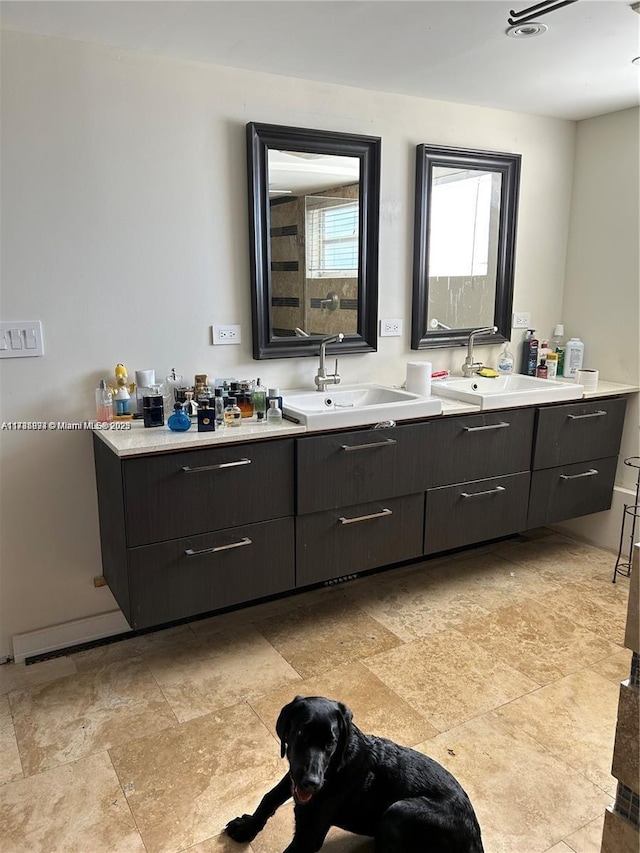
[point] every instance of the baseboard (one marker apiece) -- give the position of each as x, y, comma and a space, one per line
75, 633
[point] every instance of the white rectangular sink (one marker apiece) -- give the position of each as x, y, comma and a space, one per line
356, 405
505, 391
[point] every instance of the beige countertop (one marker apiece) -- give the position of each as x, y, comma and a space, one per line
132, 438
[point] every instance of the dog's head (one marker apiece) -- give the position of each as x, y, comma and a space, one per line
314, 734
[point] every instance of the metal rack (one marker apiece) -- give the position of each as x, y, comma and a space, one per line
631, 513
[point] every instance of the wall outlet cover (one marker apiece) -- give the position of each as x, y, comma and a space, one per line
521, 320
223, 335
390, 328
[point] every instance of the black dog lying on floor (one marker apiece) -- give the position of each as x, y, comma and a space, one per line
368, 785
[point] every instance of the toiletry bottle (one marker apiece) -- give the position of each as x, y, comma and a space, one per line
260, 401
529, 354
558, 345
274, 412
245, 399
104, 403
206, 418
543, 351
232, 413
573, 357
274, 394
505, 362
179, 421
541, 369
153, 407
219, 406
552, 365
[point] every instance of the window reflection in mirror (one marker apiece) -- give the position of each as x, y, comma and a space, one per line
464, 244
314, 243
463, 247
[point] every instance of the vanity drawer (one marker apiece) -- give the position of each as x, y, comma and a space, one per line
184, 577
342, 469
578, 431
571, 490
473, 447
356, 538
182, 494
475, 511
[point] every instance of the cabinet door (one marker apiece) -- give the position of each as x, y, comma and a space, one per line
353, 539
476, 511
182, 494
571, 490
474, 447
578, 431
346, 468
185, 577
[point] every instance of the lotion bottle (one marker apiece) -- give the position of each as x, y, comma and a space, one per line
529, 354
573, 357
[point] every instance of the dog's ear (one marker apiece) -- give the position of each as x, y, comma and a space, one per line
282, 725
345, 716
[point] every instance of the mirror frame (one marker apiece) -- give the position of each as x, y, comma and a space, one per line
261, 137
427, 157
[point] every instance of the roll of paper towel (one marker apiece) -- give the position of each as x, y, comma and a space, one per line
419, 377
588, 379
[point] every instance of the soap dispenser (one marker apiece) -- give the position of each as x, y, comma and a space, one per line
505, 362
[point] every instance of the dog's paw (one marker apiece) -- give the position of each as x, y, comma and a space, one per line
242, 828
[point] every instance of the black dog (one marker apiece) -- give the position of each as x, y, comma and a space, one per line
368, 785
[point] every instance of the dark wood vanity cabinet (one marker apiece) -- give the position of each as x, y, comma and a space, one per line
575, 457
188, 532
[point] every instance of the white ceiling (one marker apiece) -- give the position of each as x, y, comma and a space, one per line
452, 51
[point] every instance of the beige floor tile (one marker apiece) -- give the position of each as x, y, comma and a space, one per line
10, 764
167, 639
225, 668
616, 668
575, 719
448, 679
72, 717
376, 708
596, 604
186, 783
526, 800
588, 838
537, 641
17, 676
561, 847
558, 557
422, 601
322, 637
76, 808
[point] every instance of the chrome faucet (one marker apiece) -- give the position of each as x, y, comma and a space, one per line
470, 366
322, 378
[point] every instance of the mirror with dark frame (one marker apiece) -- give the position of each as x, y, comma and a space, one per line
314, 199
464, 244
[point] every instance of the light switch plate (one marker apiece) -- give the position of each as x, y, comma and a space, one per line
21, 339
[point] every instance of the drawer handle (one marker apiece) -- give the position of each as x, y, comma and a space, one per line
386, 443
385, 512
597, 414
488, 426
588, 473
479, 494
191, 553
188, 470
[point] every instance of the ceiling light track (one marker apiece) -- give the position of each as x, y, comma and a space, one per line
536, 11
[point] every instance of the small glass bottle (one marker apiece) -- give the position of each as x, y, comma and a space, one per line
274, 413
541, 369
244, 399
179, 421
104, 403
219, 406
232, 413
260, 401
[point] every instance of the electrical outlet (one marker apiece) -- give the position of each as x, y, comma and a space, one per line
390, 328
521, 320
226, 334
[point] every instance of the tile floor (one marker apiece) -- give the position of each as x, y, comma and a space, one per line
502, 662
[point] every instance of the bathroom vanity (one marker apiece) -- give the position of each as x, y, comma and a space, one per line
192, 525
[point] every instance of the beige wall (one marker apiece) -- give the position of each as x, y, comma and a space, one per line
602, 288
124, 229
